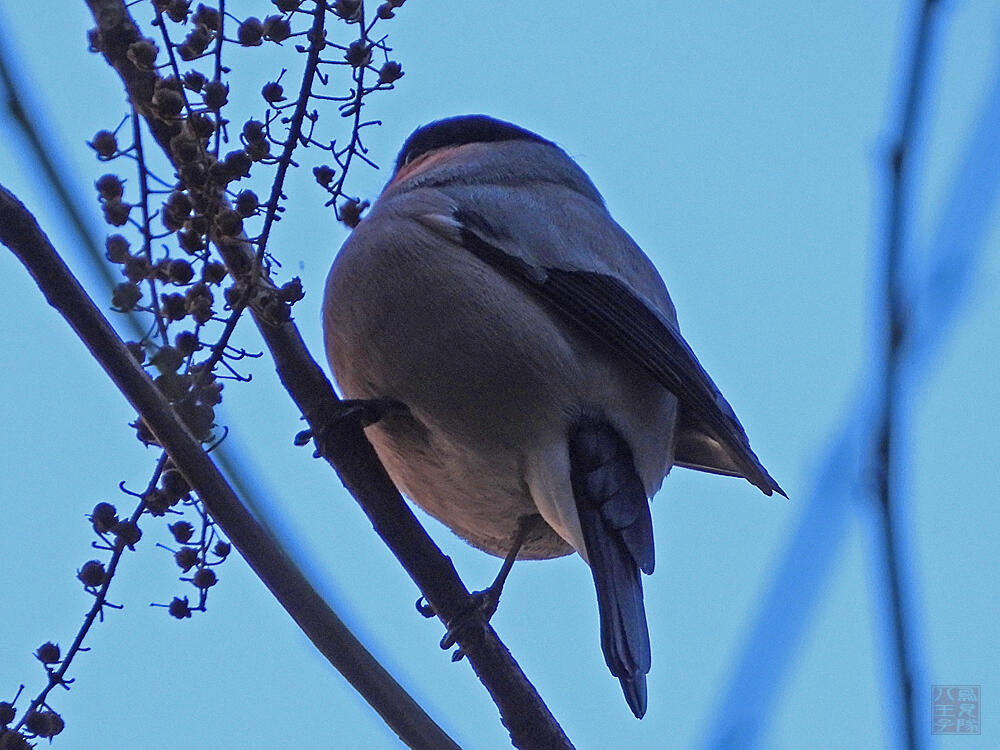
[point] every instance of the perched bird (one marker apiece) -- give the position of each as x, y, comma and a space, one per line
547, 387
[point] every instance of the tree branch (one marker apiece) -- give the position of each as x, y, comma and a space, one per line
345, 447
896, 335
20, 232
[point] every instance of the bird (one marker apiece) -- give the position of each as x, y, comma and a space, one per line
546, 388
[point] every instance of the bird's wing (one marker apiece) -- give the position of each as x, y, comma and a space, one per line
618, 303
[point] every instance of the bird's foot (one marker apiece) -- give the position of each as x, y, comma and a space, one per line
368, 411
360, 411
482, 605
479, 610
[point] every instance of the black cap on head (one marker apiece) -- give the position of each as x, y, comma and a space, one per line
457, 131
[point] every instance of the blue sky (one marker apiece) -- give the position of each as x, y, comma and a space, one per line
743, 147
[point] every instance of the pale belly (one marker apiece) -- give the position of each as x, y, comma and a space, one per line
480, 495
494, 382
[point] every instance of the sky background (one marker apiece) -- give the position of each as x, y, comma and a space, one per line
743, 147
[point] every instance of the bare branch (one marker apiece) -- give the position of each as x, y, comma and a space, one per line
896, 335
344, 445
21, 233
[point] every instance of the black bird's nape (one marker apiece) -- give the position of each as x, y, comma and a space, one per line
457, 131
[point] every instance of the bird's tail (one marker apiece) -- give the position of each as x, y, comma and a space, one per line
618, 532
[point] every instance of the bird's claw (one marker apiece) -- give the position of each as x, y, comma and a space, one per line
425, 608
360, 411
368, 411
481, 608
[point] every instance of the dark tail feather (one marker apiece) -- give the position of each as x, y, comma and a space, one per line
635, 693
618, 533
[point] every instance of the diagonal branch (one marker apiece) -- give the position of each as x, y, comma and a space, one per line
21, 233
896, 335
522, 710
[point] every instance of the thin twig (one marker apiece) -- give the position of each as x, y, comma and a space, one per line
21, 233
522, 710
146, 229
59, 676
34, 127
316, 33
40, 142
896, 334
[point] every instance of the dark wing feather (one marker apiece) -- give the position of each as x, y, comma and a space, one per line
606, 308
